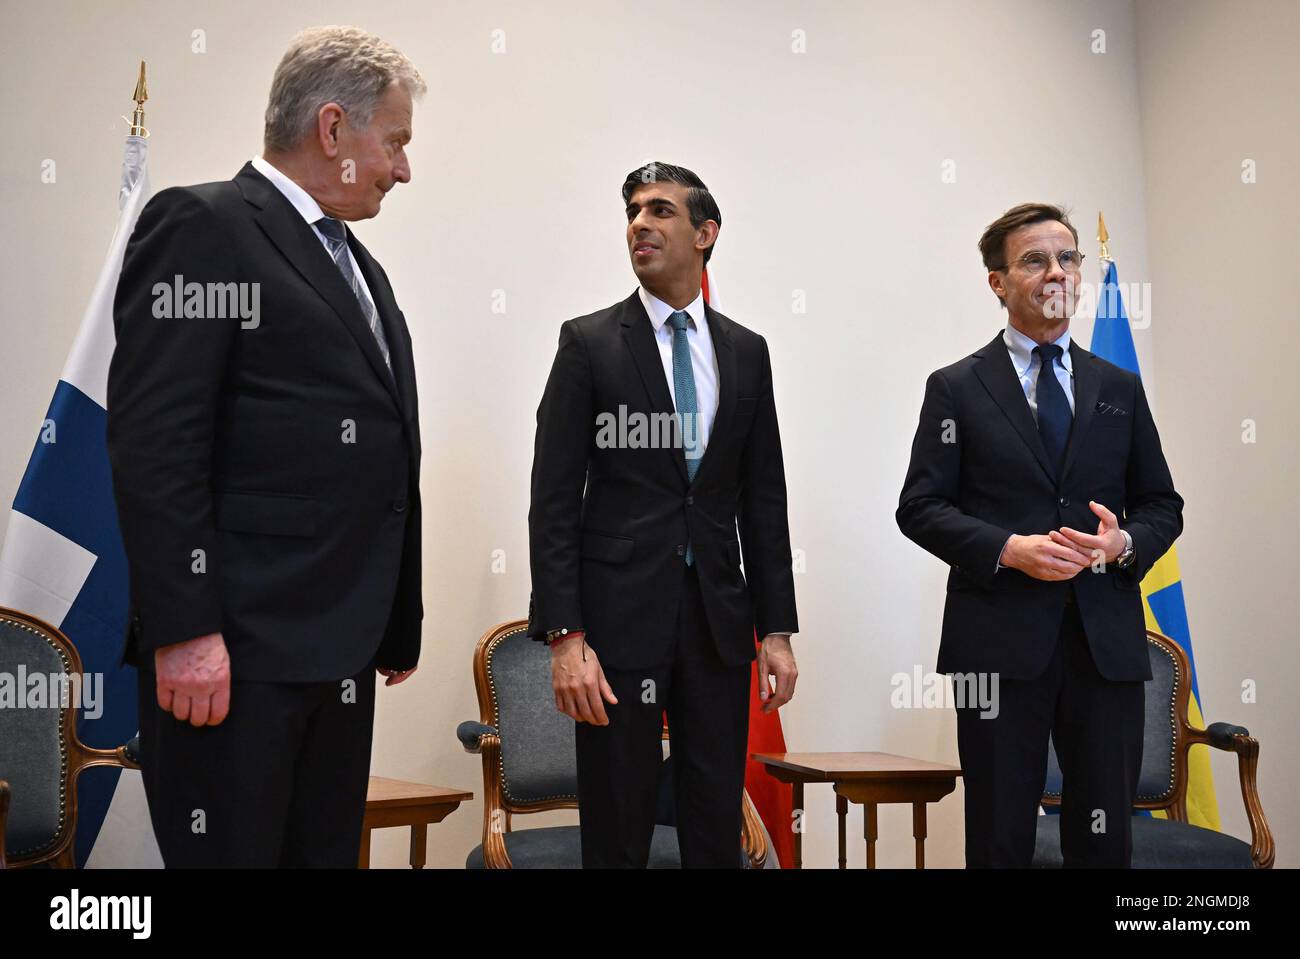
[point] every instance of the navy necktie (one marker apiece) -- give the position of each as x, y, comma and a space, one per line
1054, 416
687, 404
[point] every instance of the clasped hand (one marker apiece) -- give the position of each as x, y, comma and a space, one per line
1062, 554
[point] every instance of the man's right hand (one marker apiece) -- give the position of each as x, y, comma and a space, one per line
1043, 558
194, 680
579, 682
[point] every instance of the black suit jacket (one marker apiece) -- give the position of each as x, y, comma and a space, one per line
234, 441
979, 473
608, 527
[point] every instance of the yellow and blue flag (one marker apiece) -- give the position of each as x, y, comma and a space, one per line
1162, 588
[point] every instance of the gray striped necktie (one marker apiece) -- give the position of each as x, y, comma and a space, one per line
336, 239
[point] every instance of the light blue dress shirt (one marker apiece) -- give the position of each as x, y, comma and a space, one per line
1021, 350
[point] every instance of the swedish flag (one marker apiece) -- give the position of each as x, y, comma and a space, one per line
1162, 588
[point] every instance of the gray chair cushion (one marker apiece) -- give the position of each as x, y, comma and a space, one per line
538, 755
560, 847
1157, 844
31, 743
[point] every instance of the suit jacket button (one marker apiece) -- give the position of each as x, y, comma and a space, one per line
690, 501
1065, 501
399, 506
681, 550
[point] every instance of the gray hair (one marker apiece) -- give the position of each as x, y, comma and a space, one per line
343, 65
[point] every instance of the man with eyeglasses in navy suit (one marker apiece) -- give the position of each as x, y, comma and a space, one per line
1037, 476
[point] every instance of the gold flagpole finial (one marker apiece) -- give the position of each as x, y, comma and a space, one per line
137, 116
1102, 236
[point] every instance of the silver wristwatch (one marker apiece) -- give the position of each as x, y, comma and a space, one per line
1125, 559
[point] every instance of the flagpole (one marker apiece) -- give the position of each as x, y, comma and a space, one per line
140, 95
1103, 238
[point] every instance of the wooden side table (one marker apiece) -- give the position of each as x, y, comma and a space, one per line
392, 802
869, 779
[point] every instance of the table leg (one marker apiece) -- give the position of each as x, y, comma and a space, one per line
842, 811
870, 832
417, 845
363, 860
918, 831
797, 799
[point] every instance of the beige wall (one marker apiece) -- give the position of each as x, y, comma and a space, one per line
827, 165
1218, 84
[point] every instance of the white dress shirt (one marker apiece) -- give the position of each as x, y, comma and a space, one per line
704, 362
310, 211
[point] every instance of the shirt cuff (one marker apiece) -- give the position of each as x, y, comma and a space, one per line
997, 563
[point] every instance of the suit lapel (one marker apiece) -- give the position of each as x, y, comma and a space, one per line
640, 338
999, 377
1087, 385
390, 316
724, 352
298, 243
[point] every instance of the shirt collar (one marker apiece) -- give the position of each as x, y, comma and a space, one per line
307, 208
659, 311
1021, 348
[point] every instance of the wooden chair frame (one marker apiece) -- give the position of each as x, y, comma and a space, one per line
76, 757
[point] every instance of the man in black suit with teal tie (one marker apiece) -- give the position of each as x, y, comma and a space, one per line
1023, 448
656, 438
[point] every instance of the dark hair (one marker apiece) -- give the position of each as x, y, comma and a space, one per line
994, 241
700, 205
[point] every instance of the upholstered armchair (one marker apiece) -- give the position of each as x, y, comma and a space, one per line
1162, 785
529, 764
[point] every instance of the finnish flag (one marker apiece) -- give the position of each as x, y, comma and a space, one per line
62, 560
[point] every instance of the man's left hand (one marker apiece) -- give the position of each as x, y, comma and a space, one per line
775, 658
1109, 541
395, 676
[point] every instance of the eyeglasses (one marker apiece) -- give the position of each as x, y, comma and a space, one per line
1071, 261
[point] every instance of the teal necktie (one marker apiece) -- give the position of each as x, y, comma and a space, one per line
687, 405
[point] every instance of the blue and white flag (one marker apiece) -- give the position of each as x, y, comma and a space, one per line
63, 562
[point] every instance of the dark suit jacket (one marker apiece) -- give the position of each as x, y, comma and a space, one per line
610, 558
962, 499
232, 441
